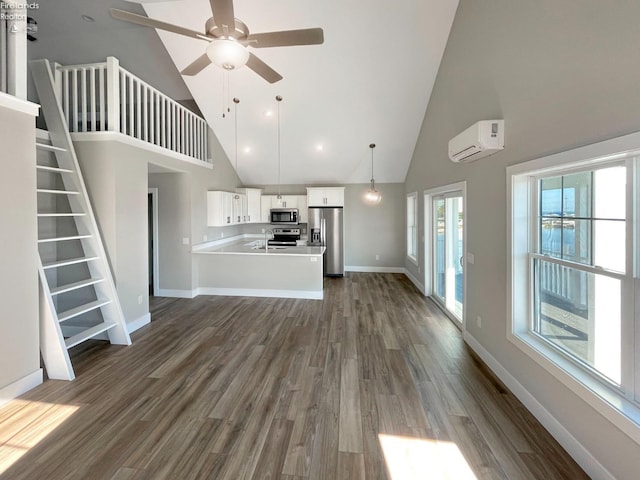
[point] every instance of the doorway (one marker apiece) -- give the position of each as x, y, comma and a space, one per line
445, 248
152, 217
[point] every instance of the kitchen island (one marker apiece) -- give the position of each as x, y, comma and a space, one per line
243, 268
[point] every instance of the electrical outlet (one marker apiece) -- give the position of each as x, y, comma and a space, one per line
263, 230
314, 259
479, 321
185, 241
139, 299
377, 257
204, 238
221, 234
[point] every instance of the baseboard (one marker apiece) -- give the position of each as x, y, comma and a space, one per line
139, 322
21, 386
374, 269
249, 292
414, 280
167, 292
578, 452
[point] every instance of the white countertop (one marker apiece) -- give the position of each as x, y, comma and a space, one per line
248, 247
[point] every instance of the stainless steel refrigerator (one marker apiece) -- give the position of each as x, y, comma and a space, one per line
325, 228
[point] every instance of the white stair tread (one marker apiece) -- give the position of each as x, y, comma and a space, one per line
75, 285
87, 307
70, 261
87, 334
51, 148
62, 239
70, 214
53, 169
60, 192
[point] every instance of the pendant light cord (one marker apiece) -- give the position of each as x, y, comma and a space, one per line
236, 101
373, 185
279, 99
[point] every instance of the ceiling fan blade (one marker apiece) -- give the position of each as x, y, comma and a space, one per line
223, 13
196, 66
286, 38
150, 22
262, 69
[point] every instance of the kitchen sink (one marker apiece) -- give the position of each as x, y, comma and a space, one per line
273, 247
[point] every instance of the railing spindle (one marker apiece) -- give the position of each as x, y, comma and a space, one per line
101, 115
74, 103
92, 89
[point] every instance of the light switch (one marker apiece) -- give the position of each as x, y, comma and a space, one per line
185, 241
470, 258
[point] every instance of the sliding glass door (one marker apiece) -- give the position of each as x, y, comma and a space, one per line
448, 252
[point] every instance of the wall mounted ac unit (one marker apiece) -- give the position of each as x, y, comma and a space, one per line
479, 140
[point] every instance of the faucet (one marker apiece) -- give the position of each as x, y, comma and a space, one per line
266, 244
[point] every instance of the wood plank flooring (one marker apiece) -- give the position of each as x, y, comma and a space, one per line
373, 382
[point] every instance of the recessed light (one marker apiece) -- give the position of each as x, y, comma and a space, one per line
87, 18
319, 147
247, 149
268, 113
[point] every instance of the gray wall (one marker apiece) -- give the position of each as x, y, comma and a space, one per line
116, 179
19, 332
561, 74
374, 230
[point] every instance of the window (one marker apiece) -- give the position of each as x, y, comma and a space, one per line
412, 226
573, 263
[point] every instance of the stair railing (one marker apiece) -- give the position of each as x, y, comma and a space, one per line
104, 97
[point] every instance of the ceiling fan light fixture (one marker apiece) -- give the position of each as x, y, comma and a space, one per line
227, 53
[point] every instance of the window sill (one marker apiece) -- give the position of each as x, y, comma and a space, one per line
621, 412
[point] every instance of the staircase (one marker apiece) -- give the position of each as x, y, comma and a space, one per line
78, 298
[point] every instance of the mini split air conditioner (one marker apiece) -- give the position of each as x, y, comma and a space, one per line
479, 140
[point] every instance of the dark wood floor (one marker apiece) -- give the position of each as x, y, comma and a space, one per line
373, 382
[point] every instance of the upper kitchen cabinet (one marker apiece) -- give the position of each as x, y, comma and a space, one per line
325, 196
251, 209
224, 208
219, 209
285, 201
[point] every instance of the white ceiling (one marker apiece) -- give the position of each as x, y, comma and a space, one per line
369, 82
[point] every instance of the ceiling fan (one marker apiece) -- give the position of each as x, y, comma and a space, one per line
228, 40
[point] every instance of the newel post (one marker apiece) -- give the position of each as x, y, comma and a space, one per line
113, 94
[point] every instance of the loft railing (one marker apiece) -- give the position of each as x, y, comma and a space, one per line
104, 97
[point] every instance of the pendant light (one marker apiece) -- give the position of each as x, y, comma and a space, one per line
372, 197
279, 99
236, 101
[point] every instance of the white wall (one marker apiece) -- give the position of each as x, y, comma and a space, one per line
19, 331
561, 74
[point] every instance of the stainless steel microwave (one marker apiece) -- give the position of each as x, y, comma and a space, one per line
284, 216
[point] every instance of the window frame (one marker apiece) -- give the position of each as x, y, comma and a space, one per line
619, 406
412, 229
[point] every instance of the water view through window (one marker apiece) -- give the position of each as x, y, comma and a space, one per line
578, 309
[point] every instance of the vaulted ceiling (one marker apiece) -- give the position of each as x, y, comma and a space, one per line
370, 81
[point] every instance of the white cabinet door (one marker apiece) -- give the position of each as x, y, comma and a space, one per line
265, 208
315, 197
334, 197
302, 209
219, 208
251, 212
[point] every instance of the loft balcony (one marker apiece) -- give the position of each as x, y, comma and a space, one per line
101, 98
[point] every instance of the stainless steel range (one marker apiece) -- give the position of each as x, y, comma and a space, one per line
285, 236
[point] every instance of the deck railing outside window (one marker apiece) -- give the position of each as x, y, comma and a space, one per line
103, 97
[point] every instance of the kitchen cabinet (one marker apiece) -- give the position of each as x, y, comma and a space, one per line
251, 212
325, 196
287, 201
219, 208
